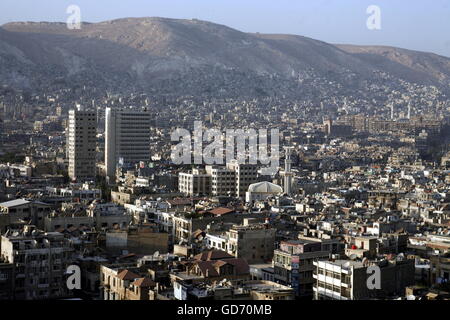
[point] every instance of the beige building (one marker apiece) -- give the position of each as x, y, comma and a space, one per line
139, 240
254, 243
124, 283
82, 142
21, 210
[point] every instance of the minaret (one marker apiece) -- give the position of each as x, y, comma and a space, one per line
392, 112
287, 171
409, 111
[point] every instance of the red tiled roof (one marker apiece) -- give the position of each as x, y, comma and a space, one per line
239, 264
144, 283
127, 275
221, 211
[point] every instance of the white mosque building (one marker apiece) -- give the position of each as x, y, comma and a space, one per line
261, 191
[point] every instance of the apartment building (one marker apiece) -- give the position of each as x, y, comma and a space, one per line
245, 290
347, 279
127, 137
255, 242
440, 266
82, 135
223, 181
245, 175
212, 266
22, 210
6, 280
39, 260
232, 180
194, 183
108, 215
293, 263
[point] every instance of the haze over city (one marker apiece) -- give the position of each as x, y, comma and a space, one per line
229, 158
344, 22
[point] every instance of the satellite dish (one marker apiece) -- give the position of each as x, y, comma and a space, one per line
156, 254
411, 297
353, 257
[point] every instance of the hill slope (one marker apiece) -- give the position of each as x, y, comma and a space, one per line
165, 56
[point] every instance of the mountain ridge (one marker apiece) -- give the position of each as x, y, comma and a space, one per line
149, 52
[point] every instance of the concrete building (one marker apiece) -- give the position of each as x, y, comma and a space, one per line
108, 215
223, 181
127, 138
293, 263
212, 267
6, 280
81, 144
124, 282
231, 180
245, 290
254, 243
139, 240
40, 261
21, 210
440, 266
193, 183
347, 279
81, 193
245, 175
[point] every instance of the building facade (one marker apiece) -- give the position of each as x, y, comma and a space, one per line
127, 137
81, 144
39, 260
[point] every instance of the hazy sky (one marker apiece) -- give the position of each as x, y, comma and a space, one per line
414, 24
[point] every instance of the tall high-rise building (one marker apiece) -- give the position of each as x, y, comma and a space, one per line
81, 144
127, 137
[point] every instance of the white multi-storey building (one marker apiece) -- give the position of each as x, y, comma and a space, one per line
196, 182
230, 180
81, 144
127, 137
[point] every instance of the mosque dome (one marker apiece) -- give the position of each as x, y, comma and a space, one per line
265, 187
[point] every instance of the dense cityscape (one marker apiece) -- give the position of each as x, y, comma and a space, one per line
94, 207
